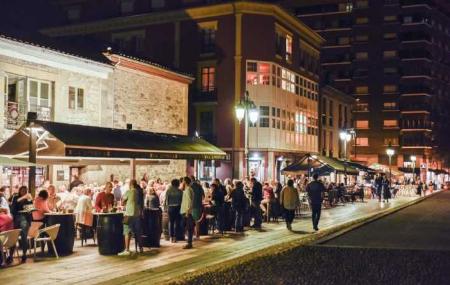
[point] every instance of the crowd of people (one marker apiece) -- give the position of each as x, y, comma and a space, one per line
183, 201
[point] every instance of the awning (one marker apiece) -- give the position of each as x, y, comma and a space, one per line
409, 170
385, 169
6, 161
361, 167
59, 141
318, 161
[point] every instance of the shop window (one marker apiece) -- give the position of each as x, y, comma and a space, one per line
76, 98
208, 79
362, 124
361, 141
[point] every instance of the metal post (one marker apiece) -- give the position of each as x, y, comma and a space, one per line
32, 159
345, 162
246, 136
414, 172
390, 173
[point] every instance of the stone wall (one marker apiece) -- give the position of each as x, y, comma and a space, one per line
150, 102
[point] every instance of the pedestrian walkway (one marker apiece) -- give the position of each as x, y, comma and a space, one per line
86, 266
425, 226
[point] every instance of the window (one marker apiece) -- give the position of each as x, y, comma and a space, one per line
390, 123
362, 20
39, 98
258, 73
390, 18
407, 19
361, 38
389, 36
389, 105
361, 55
208, 40
390, 70
390, 141
127, 6
208, 82
73, 13
264, 111
362, 90
362, 4
346, 7
389, 53
390, 88
133, 41
362, 141
362, 124
157, 4
362, 107
343, 41
76, 98
288, 47
264, 122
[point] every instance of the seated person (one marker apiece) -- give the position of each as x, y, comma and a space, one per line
41, 206
268, 197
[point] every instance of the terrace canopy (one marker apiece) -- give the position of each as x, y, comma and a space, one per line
321, 164
61, 143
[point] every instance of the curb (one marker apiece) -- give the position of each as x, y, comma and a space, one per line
313, 239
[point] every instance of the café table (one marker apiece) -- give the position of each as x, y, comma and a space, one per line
66, 235
110, 237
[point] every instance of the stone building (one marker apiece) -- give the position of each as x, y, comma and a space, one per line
231, 47
112, 93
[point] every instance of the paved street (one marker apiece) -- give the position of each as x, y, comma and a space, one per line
425, 225
86, 266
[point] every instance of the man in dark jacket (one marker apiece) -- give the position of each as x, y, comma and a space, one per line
315, 191
255, 208
238, 203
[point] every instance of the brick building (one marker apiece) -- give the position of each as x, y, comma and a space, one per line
230, 48
111, 92
393, 55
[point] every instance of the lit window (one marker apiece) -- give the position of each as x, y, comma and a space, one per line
343, 41
361, 38
389, 53
362, 90
208, 82
390, 123
390, 36
288, 47
390, 88
361, 55
363, 107
362, 141
390, 141
390, 18
362, 20
389, 105
76, 98
362, 124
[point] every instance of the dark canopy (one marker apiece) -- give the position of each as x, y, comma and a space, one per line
319, 161
68, 140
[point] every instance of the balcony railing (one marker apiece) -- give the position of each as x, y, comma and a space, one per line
203, 96
15, 114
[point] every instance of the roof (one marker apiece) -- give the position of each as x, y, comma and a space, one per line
318, 162
68, 140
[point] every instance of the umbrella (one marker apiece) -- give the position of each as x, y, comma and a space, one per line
6, 161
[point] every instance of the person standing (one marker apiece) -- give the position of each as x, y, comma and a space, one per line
238, 202
255, 207
386, 190
419, 188
134, 205
22, 219
217, 200
197, 205
187, 205
315, 190
289, 200
172, 204
105, 199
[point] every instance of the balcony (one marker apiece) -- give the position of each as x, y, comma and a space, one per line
415, 108
205, 96
15, 114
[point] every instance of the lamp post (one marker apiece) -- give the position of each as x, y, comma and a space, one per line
246, 109
345, 137
413, 159
390, 152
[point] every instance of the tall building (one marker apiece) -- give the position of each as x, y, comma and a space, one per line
393, 55
230, 48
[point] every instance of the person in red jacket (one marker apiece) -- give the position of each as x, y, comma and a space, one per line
105, 200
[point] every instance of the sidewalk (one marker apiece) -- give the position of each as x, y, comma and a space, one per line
86, 266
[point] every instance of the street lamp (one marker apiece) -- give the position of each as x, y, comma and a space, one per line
413, 159
246, 109
345, 137
390, 152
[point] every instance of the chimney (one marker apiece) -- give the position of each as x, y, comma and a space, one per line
129, 127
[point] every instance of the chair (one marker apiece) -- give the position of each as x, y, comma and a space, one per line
8, 240
85, 233
33, 232
52, 233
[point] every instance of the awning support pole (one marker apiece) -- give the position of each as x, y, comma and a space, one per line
132, 168
31, 155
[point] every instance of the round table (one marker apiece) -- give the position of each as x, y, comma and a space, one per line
66, 235
110, 233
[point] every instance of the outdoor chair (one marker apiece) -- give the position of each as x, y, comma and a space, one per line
85, 233
33, 232
8, 241
47, 234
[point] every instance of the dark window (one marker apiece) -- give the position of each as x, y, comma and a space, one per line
208, 40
